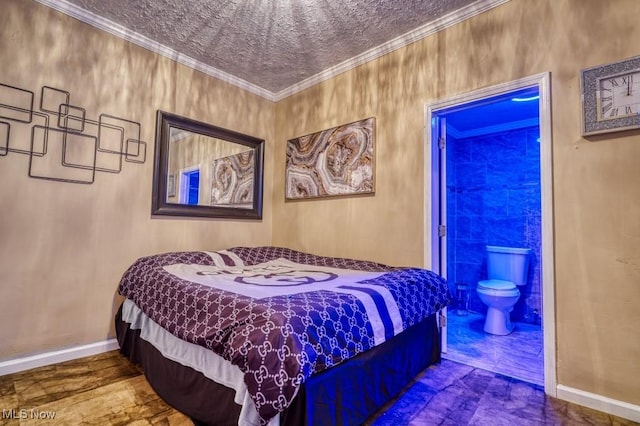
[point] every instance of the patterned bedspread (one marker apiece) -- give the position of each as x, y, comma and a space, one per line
293, 314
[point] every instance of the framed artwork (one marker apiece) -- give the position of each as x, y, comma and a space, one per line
232, 180
334, 162
171, 186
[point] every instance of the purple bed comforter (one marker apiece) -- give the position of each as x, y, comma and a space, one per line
280, 341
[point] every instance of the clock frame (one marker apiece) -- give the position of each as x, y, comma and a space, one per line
596, 84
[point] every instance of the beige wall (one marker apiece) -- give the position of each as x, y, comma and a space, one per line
65, 246
596, 182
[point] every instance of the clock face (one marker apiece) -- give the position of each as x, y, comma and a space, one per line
619, 96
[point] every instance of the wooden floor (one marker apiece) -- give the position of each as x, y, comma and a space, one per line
107, 389
104, 389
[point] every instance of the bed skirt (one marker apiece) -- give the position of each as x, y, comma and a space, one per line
346, 394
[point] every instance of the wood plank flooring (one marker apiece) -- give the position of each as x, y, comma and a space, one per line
452, 393
104, 389
107, 389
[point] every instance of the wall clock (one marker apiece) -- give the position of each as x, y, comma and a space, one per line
611, 97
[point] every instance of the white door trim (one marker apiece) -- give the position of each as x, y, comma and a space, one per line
184, 184
543, 82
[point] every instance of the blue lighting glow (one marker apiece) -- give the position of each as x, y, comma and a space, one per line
527, 99
493, 190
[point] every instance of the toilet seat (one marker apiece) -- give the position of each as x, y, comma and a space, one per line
498, 288
497, 285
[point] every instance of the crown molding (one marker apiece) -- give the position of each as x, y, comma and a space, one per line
145, 42
419, 33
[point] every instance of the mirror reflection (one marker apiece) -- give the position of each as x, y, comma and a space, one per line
208, 171
202, 170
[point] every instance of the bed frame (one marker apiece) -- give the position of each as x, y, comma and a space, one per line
346, 394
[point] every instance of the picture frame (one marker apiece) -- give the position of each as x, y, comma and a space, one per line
339, 161
232, 180
171, 186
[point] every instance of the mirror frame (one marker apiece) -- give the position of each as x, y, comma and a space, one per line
159, 205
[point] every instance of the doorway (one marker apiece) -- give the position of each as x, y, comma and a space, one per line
490, 167
190, 186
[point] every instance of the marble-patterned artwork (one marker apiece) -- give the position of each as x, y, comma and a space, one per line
232, 180
337, 161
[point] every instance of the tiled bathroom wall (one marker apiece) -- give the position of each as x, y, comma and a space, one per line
493, 198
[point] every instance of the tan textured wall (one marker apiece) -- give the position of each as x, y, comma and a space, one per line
65, 246
596, 182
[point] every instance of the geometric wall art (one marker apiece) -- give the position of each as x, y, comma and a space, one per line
333, 162
232, 180
62, 143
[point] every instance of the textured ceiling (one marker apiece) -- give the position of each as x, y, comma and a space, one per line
272, 44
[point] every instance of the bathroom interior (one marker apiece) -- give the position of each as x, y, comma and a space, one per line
493, 216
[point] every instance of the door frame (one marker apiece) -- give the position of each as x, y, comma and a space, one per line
432, 187
184, 184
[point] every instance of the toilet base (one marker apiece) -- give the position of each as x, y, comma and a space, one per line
498, 321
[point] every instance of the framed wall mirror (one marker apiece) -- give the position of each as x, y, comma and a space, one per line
201, 170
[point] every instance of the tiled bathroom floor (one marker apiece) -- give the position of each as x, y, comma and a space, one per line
519, 355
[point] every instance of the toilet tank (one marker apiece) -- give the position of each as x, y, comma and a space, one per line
508, 264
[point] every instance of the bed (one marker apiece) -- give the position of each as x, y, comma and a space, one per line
273, 336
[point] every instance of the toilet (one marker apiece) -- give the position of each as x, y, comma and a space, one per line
507, 269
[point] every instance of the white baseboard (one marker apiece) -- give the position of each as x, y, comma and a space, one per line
48, 358
599, 402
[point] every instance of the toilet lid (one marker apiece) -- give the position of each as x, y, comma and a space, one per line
498, 285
